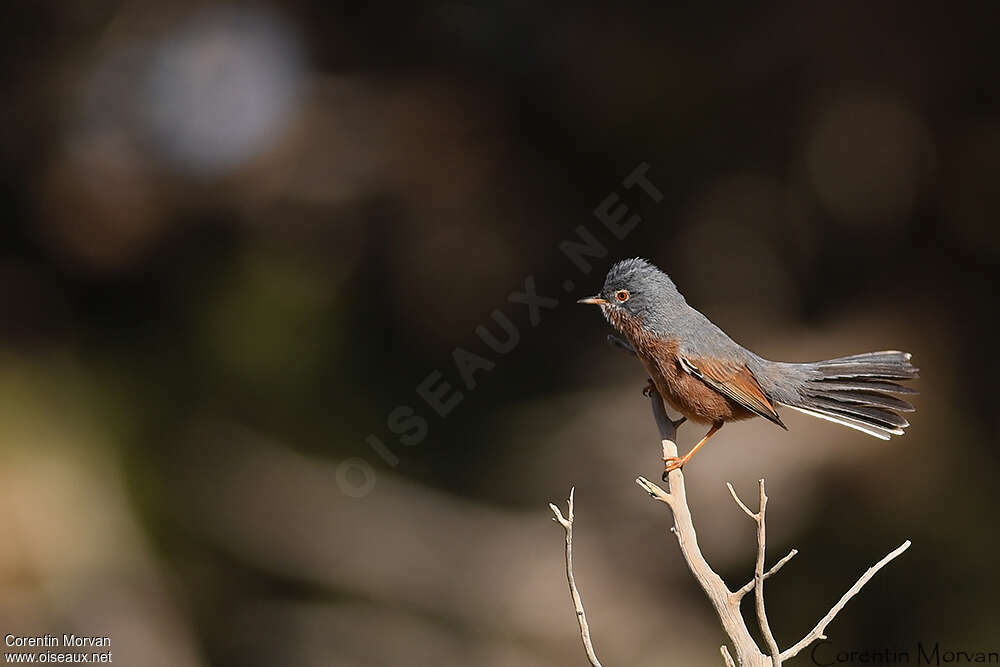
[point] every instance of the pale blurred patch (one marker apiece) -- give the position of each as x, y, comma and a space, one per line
73, 557
221, 87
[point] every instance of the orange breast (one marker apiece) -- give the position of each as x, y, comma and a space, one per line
682, 391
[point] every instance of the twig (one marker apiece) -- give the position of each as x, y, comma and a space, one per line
747, 587
817, 632
758, 570
725, 656
739, 502
581, 616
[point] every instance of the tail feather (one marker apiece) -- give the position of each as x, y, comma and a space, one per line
854, 391
888, 365
884, 356
865, 397
881, 434
878, 416
863, 384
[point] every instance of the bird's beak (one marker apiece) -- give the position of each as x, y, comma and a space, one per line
595, 300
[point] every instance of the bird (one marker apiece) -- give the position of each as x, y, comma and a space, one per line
710, 379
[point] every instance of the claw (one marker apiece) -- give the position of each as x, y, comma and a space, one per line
671, 464
648, 390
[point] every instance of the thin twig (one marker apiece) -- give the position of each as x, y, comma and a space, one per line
581, 616
749, 586
817, 632
758, 578
725, 656
739, 502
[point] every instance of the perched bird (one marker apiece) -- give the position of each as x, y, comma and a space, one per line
709, 378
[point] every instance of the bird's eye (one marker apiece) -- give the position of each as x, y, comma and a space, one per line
622, 295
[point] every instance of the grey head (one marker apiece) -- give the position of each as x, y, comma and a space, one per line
638, 294
636, 290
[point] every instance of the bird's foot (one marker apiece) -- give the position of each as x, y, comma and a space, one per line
671, 464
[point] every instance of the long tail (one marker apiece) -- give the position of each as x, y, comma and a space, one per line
856, 391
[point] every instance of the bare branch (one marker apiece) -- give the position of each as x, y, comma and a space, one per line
739, 502
725, 656
758, 577
817, 632
581, 616
749, 586
654, 490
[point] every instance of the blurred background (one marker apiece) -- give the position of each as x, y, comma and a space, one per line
235, 238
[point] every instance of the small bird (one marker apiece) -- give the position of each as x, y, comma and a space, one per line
709, 378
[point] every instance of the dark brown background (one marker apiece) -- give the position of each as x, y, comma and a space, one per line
234, 239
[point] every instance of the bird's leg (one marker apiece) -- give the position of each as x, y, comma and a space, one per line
673, 463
